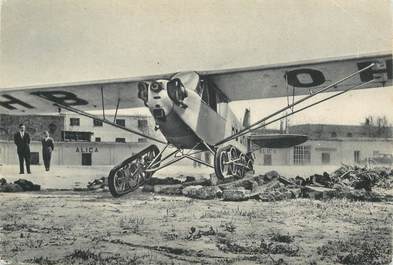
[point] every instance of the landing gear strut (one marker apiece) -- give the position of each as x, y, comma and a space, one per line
231, 162
135, 170
130, 174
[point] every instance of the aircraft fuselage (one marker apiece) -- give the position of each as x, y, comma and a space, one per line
186, 112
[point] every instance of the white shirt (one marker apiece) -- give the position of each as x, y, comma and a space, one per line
22, 134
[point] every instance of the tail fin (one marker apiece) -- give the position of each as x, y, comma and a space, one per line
246, 118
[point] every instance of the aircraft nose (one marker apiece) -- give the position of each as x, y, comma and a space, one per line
156, 87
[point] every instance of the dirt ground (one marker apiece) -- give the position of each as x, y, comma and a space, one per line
68, 227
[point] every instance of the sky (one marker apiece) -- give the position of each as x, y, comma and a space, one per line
49, 41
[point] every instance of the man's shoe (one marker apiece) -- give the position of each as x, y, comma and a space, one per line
29, 172
21, 172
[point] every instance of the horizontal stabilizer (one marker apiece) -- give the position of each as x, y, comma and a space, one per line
277, 140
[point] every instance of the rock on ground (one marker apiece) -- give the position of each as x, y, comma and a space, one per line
169, 189
202, 192
236, 194
10, 187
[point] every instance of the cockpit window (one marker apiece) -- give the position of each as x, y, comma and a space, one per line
207, 94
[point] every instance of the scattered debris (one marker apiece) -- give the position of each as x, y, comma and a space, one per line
236, 194
169, 189
10, 187
196, 234
164, 181
18, 186
349, 182
98, 184
27, 185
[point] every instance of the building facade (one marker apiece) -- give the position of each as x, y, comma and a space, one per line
331, 145
74, 153
80, 128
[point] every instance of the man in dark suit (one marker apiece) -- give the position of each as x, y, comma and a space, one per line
47, 148
22, 141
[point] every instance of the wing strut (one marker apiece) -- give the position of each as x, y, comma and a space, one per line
103, 103
311, 105
117, 108
83, 113
261, 121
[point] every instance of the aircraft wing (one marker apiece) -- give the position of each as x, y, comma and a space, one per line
86, 96
277, 140
302, 77
235, 84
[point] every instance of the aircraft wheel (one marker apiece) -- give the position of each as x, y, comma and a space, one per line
250, 165
124, 180
222, 167
130, 174
240, 169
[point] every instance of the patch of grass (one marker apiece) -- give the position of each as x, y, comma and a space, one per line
282, 238
170, 213
252, 248
252, 214
278, 248
41, 261
89, 257
169, 236
132, 224
357, 252
229, 227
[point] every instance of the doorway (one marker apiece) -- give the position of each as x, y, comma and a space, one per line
267, 159
86, 159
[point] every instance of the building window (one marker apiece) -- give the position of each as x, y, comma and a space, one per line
97, 123
76, 136
349, 134
142, 140
301, 155
74, 121
121, 122
98, 139
356, 156
333, 134
325, 158
120, 140
142, 124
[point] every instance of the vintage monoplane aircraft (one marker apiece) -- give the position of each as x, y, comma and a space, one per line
192, 112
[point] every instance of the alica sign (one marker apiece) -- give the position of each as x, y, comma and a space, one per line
86, 149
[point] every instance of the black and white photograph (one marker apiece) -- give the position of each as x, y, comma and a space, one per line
196, 132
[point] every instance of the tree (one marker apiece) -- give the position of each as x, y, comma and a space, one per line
377, 126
